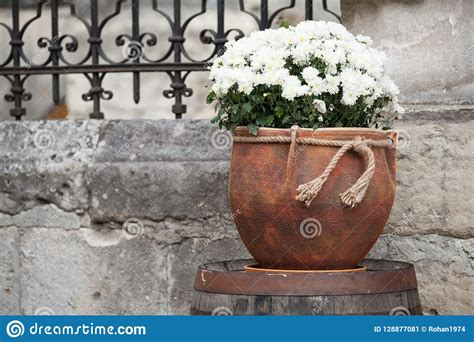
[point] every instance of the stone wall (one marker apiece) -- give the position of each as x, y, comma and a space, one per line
112, 217
428, 43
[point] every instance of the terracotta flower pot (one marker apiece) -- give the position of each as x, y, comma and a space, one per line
282, 232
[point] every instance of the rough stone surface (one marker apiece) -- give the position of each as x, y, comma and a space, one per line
434, 193
444, 266
72, 277
424, 41
9, 269
114, 217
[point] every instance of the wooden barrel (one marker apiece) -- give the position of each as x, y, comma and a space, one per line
385, 288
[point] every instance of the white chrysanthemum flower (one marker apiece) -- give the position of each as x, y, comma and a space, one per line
320, 106
315, 83
314, 61
331, 83
349, 96
388, 86
292, 88
364, 39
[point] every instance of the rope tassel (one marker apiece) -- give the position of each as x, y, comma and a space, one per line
307, 192
355, 194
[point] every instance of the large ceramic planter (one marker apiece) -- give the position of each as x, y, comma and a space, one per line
282, 232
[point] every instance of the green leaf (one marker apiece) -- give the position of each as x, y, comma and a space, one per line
269, 120
279, 111
260, 121
253, 129
286, 118
210, 97
247, 107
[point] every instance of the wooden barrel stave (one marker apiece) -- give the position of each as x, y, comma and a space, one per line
253, 298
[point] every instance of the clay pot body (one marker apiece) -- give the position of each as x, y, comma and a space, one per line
282, 232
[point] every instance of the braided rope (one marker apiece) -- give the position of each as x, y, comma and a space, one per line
307, 141
308, 191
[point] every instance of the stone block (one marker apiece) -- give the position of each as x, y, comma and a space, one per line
444, 268
9, 272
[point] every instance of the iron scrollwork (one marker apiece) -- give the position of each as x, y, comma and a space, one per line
96, 64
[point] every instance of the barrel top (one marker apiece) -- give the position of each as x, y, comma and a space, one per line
229, 277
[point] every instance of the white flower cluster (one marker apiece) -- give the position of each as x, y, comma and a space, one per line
350, 64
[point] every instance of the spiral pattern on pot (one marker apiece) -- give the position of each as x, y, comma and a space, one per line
310, 228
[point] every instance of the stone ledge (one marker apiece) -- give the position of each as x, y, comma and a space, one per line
149, 140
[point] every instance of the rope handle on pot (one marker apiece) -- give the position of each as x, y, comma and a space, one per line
308, 191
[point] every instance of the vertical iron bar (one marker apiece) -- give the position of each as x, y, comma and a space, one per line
136, 44
177, 39
95, 42
263, 14
220, 39
309, 10
54, 48
17, 89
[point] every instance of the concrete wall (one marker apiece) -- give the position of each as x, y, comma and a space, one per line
112, 217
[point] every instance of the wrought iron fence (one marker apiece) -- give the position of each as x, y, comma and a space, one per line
17, 67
